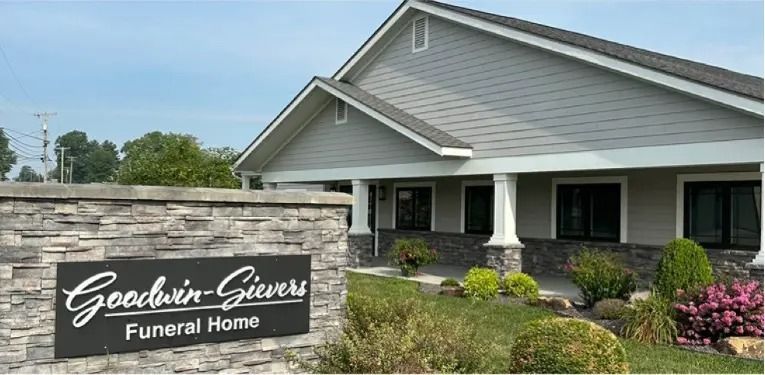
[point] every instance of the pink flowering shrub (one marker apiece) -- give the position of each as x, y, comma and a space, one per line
720, 311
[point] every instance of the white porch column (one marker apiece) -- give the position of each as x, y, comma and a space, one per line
504, 210
245, 181
360, 208
760, 258
269, 186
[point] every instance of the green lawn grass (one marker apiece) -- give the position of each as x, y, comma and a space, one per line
499, 323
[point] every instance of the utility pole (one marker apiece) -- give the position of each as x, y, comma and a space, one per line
44, 117
61, 163
71, 167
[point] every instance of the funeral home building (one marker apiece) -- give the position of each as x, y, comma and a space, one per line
508, 143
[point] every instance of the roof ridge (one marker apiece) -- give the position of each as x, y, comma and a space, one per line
702, 72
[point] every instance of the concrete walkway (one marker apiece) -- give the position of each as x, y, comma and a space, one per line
435, 273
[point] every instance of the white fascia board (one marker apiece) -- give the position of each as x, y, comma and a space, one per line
430, 145
699, 90
359, 55
709, 153
262, 136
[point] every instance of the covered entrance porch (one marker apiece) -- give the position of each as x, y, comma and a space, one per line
533, 222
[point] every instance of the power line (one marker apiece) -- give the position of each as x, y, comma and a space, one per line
22, 134
16, 77
20, 141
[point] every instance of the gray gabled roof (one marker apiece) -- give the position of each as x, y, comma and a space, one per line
742, 84
418, 126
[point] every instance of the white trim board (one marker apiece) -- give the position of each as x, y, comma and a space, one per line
405, 184
696, 177
623, 204
466, 183
673, 82
693, 154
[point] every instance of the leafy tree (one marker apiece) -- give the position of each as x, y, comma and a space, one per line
230, 155
93, 161
102, 162
77, 146
171, 159
7, 156
28, 174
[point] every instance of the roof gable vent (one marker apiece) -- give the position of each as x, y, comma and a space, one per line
341, 111
420, 34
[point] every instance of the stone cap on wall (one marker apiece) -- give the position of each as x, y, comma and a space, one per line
166, 193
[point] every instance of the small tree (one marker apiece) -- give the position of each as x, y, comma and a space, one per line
683, 266
27, 174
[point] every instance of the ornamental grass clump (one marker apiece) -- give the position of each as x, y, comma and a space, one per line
599, 275
683, 266
650, 320
409, 254
519, 284
720, 311
481, 284
564, 345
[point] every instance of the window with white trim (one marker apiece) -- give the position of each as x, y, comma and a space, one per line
589, 211
723, 214
341, 111
420, 34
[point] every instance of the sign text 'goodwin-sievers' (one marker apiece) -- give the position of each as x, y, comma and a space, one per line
120, 306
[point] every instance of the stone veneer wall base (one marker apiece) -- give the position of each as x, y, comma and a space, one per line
45, 224
547, 256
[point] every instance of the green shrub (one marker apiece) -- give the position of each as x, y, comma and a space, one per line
409, 254
610, 308
400, 336
563, 345
519, 284
650, 320
599, 275
683, 265
481, 284
450, 282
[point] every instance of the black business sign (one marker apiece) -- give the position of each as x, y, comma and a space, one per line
130, 305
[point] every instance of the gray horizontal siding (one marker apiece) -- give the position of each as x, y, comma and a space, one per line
651, 195
507, 99
360, 141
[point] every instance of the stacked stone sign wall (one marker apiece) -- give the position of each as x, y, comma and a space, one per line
42, 225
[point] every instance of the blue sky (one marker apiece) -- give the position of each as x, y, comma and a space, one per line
222, 70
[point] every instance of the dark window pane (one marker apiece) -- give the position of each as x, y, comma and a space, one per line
479, 209
405, 199
589, 211
605, 211
422, 208
745, 216
705, 207
413, 208
571, 211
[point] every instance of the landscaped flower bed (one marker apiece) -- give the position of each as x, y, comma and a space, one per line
498, 323
705, 318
